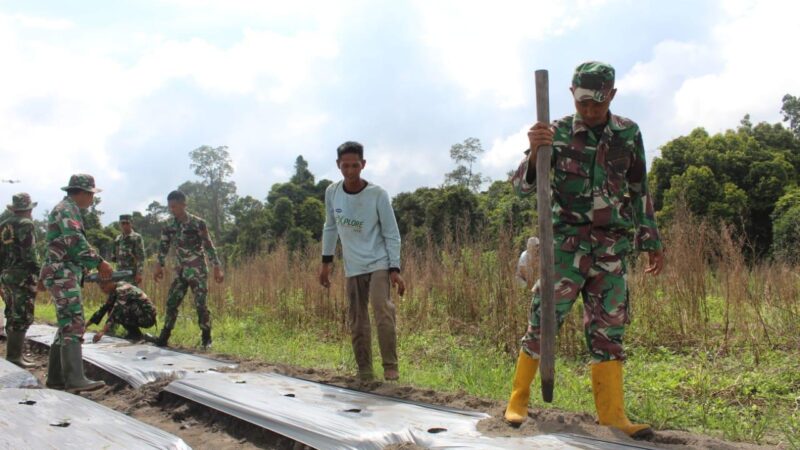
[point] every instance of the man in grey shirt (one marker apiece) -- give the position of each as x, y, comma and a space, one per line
360, 215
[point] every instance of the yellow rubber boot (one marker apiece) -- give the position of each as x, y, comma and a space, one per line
517, 410
608, 399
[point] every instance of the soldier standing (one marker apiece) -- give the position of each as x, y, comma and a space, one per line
20, 275
68, 255
129, 250
600, 198
189, 234
126, 305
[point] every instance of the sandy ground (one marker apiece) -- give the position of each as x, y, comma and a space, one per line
203, 428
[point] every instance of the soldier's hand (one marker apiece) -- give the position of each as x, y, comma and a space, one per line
159, 273
138, 279
324, 275
97, 336
219, 276
656, 262
397, 281
105, 270
539, 135
40, 286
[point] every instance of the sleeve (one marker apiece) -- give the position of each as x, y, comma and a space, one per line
524, 178
138, 251
522, 268
646, 236
70, 227
27, 245
389, 230
329, 232
97, 317
208, 244
114, 249
163, 245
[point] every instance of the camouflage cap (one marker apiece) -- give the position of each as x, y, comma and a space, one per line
21, 202
82, 181
125, 217
592, 80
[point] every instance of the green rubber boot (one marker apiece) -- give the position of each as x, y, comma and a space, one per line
72, 366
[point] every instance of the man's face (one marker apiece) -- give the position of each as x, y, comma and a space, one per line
126, 227
84, 199
594, 113
177, 208
351, 165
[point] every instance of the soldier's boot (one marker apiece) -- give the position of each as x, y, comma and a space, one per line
206, 339
609, 399
163, 338
14, 354
517, 409
133, 333
72, 365
55, 378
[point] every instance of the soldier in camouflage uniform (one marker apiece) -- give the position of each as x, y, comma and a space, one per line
126, 305
128, 250
20, 274
189, 234
6, 214
600, 198
69, 254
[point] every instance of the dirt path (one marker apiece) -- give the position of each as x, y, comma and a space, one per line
203, 428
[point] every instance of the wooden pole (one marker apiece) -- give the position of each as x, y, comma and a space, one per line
547, 310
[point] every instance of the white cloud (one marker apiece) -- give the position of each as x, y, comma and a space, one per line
480, 44
505, 154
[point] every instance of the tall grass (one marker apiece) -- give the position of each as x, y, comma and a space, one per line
708, 297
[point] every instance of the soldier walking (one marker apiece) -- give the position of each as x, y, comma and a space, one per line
189, 234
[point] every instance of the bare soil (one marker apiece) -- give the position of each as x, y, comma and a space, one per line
203, 428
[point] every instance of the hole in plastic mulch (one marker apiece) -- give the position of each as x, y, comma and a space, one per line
352, 410
289, 395
436, 430
63, 424
241, 382
28, 402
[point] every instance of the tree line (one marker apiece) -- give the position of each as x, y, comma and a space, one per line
746, 177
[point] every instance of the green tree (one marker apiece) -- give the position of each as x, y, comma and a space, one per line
213, 166
791, 112
786, 226
464, 155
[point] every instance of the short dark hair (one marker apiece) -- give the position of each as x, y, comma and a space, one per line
350, 147
177, 196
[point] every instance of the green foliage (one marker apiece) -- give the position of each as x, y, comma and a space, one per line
786, 226
464, 155
791, 112
735, 177
215, 193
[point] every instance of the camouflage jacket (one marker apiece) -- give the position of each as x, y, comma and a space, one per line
191, 240
125, 296
66, 238
19, 248
129, 252
599, 183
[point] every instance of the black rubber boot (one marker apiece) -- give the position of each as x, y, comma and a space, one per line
206, 339
55, 378
72, 366
163, 339
16, 340
133, 333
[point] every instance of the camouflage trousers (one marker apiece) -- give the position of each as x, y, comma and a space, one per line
139, 314
197, 280
601, 280
64, 285
19, 293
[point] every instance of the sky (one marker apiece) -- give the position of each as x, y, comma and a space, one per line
125, 90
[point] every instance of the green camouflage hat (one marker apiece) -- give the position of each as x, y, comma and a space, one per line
21, 202
125, 217
592, 80
82, 181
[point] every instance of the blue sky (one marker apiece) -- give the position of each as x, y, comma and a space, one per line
124, 90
